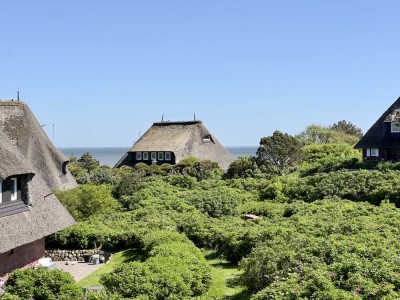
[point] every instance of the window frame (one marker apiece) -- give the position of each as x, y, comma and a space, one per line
393, 126
167, 156
153, 156
372, 152
160, 155
138, 155
13, 185
145, 155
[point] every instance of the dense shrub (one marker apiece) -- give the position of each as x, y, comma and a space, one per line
364, 185
87, 200
200, 169
217, 202
244, 167
42, 284
329, 157
328, 250
175, 269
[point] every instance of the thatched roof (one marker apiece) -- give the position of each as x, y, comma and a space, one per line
22, 128
183, 138
24, 149
12, 162
377, 136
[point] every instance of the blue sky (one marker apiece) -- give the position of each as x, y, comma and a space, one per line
102, 71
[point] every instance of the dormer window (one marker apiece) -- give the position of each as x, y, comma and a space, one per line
207, 138
395, 126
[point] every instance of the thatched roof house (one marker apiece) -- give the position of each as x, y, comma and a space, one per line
30, 169
382, 140
170, 142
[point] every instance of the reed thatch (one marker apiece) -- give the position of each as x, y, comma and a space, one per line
377, 136
25, 149
22, 128
184, 139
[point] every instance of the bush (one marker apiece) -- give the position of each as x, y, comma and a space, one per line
43, 284
87, 200
243, 167
216, 202
175, 269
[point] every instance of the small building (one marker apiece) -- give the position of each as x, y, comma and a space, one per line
382, 140
31, 168
171, 141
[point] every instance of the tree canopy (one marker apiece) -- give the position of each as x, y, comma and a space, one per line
279, 152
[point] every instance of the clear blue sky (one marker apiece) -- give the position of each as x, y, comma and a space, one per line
102, 71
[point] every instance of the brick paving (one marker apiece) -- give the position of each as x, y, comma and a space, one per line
78, 270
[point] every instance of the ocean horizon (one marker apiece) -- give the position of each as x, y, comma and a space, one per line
109, 156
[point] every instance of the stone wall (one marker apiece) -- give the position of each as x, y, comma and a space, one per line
76, 255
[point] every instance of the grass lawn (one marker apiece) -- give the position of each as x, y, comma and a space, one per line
117, 258
224, 279
224, 274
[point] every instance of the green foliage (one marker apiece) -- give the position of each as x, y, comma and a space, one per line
128, 181
88, 162
87, 200
329, 157
364, 185
315, 134
328, 250
175, 269
279, 152
244, 167
216, 202
88, 170
347, 128
42, 284
200, 169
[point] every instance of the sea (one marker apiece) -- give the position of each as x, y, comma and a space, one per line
110, 155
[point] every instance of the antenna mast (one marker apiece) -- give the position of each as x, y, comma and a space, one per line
53, 133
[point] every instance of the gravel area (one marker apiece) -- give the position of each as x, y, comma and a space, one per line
79, 270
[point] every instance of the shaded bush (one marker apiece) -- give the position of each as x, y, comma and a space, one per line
43, 284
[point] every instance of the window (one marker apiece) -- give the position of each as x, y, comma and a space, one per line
1, 192
14, 189
64, 167
372, 152
160, 155
207, 138
138, 155
395, 126
153, 156
167, 155
145, 155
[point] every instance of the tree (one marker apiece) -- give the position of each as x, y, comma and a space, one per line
316, 134
88, 162
279, 152
347, 128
